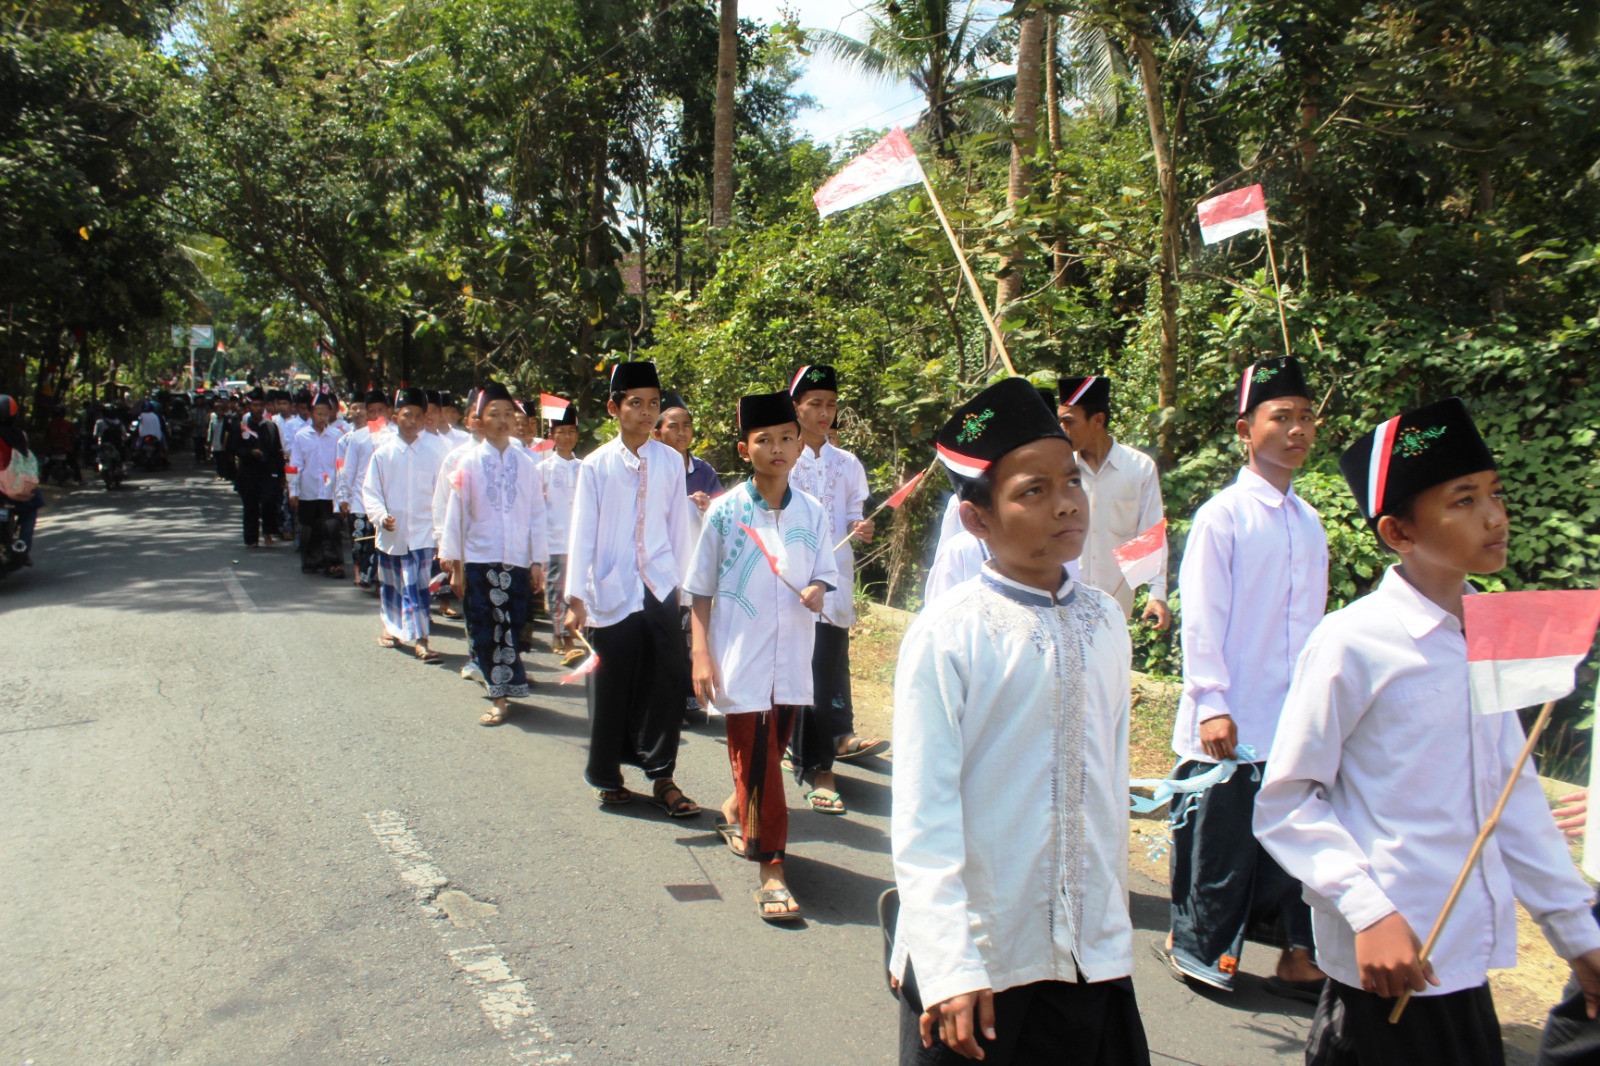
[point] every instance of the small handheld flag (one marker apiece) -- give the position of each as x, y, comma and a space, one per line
582, 670
542, 446
1232, 213
772, 560
1524, 648
1142, 559
903, 491
888, 165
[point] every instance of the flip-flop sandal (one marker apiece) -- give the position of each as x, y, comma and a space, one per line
820, 798
862, 749
733, 836
388, 642
429, 656
1159, 950
682, 807
450, 612
767, 896
613, 797
490, 718
1302, 991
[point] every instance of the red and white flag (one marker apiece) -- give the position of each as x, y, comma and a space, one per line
1143, 558
553, 407
1232, 213
582, 670
772, 560
903, 491
542, 445
1523, 648
886, 166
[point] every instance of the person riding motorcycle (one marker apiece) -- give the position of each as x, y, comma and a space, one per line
151, 424
19, 477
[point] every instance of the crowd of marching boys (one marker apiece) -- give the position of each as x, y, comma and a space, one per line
1337, 775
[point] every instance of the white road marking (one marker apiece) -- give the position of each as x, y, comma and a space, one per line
502, 995
241, 598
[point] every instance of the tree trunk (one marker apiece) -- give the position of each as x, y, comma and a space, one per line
1024, 137
1497, 293
722, 144
1052, 102
1171, 239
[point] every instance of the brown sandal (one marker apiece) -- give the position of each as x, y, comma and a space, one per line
682, 807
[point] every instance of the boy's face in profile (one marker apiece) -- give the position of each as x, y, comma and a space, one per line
816, 410
1040, 513
1458, 526
1281, 432
772, 449
637, 413
676, 429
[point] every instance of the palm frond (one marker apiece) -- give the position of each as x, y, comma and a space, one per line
859, 55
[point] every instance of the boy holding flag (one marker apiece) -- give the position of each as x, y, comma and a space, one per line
1382, 772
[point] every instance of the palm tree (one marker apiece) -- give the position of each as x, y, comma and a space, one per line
722, 136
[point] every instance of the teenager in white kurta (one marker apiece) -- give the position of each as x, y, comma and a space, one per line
558, 474
310, 473
356, 448
397, 498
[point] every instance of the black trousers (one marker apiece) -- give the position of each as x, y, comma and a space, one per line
1351, 1028
1048, 1023
831, 714
260, 498
636, 695
321, 529
1223, 881
1571, 1037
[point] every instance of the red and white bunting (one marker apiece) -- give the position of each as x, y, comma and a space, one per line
886, 166
1143, 558
1232, 213
1523, 648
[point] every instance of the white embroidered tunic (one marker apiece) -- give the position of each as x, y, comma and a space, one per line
1010, 816
495, 513
761, 635
838, 481
559, 478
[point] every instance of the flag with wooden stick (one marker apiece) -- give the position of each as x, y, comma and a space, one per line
585, 668
894, 501
1144, 558
1241, 211
1522, 647
772, 561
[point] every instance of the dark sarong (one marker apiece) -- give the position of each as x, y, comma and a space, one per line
636, 694
499, 603
755, 751
363, 549
1224, 882
1351, 1028
1045, 1024
322, 530
261, 497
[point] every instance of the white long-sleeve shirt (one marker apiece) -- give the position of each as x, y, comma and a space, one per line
314, 457
761, 635
560, 480
1381, 776
1010, 816
1124, 501
837, 479
496, 512
629, 530
441, 488
399, 482
1254, 584
358, 448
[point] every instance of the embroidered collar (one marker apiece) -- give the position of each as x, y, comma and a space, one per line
750, 487
1027, 595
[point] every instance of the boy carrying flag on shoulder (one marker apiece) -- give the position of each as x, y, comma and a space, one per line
1010, 817
1382, 773
753, 625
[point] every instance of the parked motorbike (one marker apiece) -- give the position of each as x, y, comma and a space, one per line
108, 465
13, 549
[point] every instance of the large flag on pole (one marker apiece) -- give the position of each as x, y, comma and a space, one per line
1523, 648
553, 407
888, 165
1143, 558
1232, 213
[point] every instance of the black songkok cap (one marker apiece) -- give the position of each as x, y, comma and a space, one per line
257, 396
446, 398
410, 398
1387, 467
1092, 393
1271, 379
303, 396
529, 407
1000, 419
376, 396
324, 399
670, 399
432, 396
635, 375
491, 392
472, 398
569, 417
1048, 396
765, 409
818, 376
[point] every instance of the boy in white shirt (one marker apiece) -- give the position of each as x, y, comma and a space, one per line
494, 538
1382, 774
356, 448
1010, 816
397, 499
1254, 584
753, 627
558, 474
630, 545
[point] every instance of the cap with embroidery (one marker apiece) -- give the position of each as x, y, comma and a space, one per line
1092, 393
1387, 467
765, 409
634, 375
1271, 379
1000, 419
410, 398
815, 376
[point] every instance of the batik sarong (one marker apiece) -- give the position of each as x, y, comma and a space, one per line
403, 599
499, 603
363, 549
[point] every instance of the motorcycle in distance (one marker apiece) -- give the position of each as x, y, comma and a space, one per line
13, 549
108, 464
147, 454
57, 469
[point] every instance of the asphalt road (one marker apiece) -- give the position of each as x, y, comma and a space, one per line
238, 831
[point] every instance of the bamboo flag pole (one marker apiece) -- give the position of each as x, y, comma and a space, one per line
1477, 850
879, 510
966, 271
1277, 291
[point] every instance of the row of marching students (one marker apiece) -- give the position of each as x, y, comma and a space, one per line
1351, 774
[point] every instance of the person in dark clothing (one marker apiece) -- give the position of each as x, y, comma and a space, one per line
257, 454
